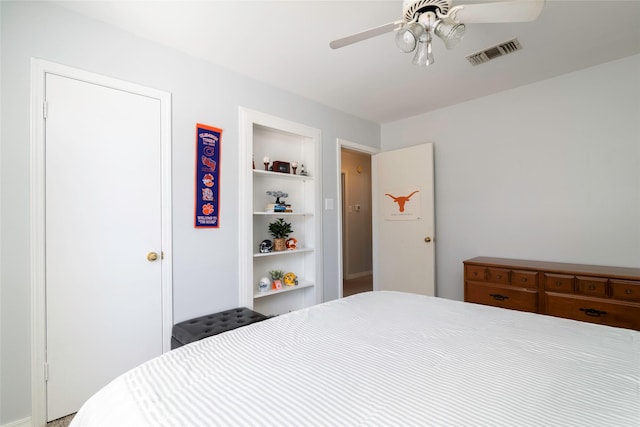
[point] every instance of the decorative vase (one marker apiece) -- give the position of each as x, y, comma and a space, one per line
279, 244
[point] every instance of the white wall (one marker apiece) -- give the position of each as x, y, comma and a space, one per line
549, 171
205, 261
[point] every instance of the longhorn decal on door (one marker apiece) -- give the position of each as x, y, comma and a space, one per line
402, 204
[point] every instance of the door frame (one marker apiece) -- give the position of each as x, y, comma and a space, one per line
39, 69
340, 144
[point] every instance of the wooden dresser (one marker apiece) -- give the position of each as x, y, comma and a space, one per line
597, 294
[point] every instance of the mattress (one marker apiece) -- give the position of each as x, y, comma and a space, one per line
386, 359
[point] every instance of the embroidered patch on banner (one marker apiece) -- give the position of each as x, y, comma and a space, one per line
207, 212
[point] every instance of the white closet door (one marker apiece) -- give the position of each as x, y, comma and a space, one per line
103, 217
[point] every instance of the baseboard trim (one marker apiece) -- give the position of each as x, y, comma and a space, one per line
20, 423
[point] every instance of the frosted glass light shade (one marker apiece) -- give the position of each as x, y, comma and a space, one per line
450, 32
408, 36
424, 54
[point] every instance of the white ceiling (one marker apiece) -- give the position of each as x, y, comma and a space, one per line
286, 44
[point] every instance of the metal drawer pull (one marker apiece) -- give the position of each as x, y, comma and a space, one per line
628, 291
499, 297
592, 312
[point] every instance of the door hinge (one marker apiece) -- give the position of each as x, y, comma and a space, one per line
46, 372
45, 109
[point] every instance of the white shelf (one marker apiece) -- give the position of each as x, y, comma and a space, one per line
285, 252
284, 213
270, 174
301, 285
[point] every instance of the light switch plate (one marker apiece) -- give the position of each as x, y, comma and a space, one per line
328, 204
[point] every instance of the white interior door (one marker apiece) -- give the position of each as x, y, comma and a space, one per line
103, 216
403, 220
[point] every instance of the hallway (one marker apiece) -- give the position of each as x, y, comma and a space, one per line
357, 285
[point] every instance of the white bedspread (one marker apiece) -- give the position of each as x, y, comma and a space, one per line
386, 359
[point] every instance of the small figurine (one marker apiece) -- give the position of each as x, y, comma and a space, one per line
291, 243
266, 246
276, 276
263, 284
290, 279
277, 195
303, 172
279, 205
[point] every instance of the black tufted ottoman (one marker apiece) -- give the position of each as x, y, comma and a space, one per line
212, 324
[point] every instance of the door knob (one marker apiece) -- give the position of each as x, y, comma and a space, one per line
152, 256
427, 239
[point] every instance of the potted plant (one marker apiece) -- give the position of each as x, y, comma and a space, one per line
280, 230
276, 279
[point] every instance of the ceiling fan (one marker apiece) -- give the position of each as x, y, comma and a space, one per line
424, 18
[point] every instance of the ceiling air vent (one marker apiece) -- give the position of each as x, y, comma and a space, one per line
494, 52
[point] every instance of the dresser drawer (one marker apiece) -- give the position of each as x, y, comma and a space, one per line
590, 293
558, 282
605, 312
626, 290
475, 272
525, 279
498, 275
501, 296
594, 286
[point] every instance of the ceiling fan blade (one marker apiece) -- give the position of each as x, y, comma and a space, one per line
497, 12
366, 34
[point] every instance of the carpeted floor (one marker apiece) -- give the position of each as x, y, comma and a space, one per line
61, 422
357, 285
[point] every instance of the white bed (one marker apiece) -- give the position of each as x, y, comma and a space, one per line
383, 359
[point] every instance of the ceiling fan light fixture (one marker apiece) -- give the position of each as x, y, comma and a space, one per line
450, 31
424, 18
407, 37
424, 54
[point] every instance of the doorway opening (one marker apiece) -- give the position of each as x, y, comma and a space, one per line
356, 229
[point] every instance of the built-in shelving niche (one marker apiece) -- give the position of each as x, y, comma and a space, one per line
263, 136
